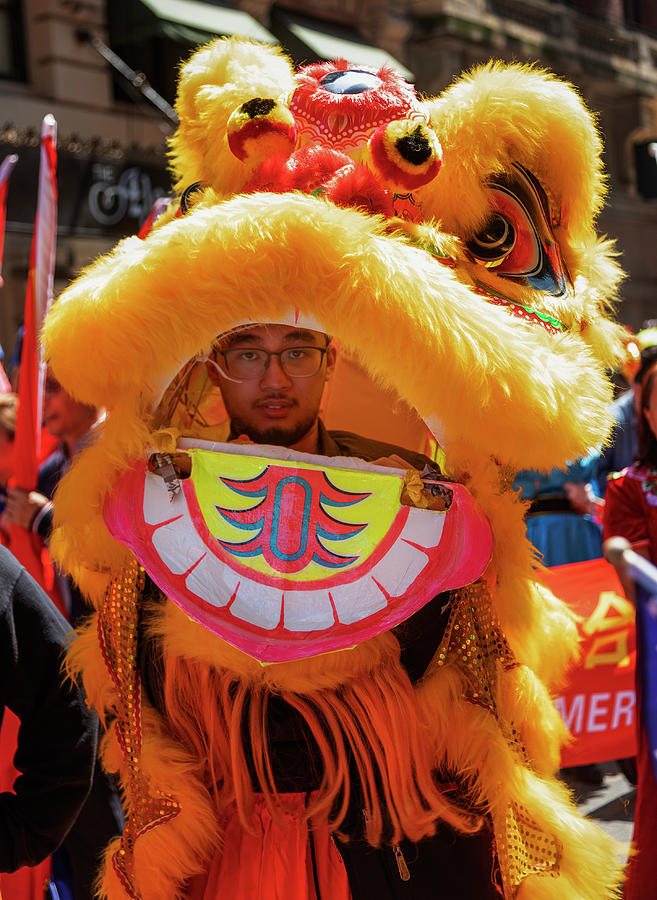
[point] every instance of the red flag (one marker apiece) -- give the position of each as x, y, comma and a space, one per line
157, 209
38, 297
8, 164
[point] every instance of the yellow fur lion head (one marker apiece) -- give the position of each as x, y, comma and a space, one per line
448, 246
427, 289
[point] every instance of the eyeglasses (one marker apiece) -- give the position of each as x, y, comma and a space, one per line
246, 363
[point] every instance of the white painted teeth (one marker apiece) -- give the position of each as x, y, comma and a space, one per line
211, 572
178, 545
258, 604
423, 529
307, 611
397, 571
354, 602
180, 548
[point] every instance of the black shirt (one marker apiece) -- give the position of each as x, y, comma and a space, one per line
58, 734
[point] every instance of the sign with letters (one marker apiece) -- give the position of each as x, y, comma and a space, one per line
97, 195
598, 701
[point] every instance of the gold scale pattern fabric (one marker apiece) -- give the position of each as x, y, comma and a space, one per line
475, 642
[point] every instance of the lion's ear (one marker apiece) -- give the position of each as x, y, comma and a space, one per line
214, 82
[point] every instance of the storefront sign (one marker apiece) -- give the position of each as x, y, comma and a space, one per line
97, 196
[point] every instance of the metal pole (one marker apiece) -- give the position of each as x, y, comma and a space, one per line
619, 553
136, 79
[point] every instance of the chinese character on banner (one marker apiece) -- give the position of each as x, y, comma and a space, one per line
598, 701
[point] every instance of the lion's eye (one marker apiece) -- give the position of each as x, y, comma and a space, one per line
350, 81
517, 241
494, 242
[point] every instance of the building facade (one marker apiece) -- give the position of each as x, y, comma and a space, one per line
84, 61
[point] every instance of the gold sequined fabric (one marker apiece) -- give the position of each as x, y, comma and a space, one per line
474, 640
475, 643
117, 631
523, 849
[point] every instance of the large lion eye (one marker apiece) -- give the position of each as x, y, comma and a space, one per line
494, 242
517, 240
350, 81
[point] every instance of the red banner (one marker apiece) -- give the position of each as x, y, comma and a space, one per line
598, 701
38, 297
27, 547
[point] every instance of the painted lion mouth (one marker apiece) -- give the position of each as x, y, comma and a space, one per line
286, 555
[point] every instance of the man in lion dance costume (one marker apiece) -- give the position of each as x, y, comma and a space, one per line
322, 657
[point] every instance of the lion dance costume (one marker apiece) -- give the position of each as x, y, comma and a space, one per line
322, 676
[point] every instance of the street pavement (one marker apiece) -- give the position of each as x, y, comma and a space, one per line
610, 804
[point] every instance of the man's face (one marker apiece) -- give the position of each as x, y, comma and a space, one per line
275, 407
63, 416
650, 411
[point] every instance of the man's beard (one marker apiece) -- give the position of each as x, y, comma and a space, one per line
277, 435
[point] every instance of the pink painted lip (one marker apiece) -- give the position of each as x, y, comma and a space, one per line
279, 619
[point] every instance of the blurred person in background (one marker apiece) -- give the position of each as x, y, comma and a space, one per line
75, 864
623, 442
587, 497
8, 407
631, 512
71, 423
555, 525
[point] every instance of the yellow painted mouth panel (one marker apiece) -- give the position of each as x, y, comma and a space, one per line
347, 512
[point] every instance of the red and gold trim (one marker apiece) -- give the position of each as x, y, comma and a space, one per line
117, 634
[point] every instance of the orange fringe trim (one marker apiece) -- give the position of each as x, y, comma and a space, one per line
376, 722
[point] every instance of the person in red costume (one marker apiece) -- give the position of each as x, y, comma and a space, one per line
631, 512
272, 377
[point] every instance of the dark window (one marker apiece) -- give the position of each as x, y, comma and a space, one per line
641, 14
645, 158
610, 11
149, 45
12, 53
